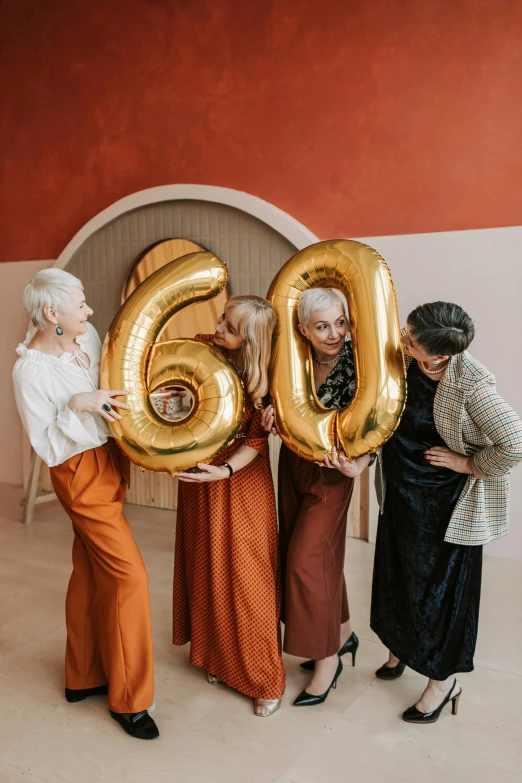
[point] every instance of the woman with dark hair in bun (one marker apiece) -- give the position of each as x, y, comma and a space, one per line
443, 487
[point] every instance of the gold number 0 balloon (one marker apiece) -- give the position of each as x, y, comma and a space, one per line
132, 360
305, 426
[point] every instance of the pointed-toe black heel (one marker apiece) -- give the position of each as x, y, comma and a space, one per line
350, 646
80, 695
137, 724
308, 700
390, 672
413, 715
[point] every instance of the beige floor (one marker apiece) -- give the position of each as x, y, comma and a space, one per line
209, 733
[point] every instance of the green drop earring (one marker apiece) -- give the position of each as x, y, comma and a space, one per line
59, 331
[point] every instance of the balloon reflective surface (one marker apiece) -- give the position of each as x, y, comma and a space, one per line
153, 258
200, 318
305, 426
133, 360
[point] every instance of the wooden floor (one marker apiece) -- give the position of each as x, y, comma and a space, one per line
210, 733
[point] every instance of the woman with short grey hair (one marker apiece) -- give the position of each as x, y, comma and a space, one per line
313, 506
66, 416
443, 487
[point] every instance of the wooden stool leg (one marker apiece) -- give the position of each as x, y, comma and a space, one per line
32, 489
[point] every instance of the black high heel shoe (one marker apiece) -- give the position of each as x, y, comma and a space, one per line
350, 646
413, 715
308, 700
390, 672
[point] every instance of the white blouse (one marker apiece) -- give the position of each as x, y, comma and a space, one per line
43, 386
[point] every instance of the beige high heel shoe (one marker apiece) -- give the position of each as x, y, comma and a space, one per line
272, 705
213, 680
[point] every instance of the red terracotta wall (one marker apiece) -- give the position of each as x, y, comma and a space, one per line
358, 118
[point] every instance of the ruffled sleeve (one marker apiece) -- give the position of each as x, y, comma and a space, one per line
54, 433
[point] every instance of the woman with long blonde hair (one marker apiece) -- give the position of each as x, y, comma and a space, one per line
226, 574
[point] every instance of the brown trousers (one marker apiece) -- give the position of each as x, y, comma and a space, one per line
313, 507
109, 636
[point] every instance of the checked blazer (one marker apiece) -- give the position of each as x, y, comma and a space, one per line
473, 419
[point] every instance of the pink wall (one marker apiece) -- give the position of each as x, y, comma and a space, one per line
358, 118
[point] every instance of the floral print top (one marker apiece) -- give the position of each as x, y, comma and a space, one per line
338, 390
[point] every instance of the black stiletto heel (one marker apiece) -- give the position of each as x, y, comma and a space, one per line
308, 700
351, 645
413, 715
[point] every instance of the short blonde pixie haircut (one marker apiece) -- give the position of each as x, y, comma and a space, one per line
48, 288
314, 299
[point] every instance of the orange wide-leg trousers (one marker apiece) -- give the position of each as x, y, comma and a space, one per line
109, 635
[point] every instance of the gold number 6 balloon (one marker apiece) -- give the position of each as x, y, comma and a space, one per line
133, 360
305, 426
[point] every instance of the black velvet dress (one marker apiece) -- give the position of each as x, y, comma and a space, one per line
426, 592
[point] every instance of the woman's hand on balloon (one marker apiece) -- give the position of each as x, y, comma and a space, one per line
339, 461
443, 457
203, 473
267, 419
93, 402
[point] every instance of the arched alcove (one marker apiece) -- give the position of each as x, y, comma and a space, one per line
253, 237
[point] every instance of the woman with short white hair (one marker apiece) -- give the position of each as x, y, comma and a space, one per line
313, 507
66, 416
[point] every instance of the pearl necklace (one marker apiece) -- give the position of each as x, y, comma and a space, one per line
434, 372
330, 361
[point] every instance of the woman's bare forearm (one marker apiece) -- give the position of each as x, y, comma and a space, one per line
243, 457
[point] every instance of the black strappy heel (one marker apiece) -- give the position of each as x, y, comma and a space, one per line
413, 715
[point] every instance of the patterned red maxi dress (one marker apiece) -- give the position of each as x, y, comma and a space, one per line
227, 596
